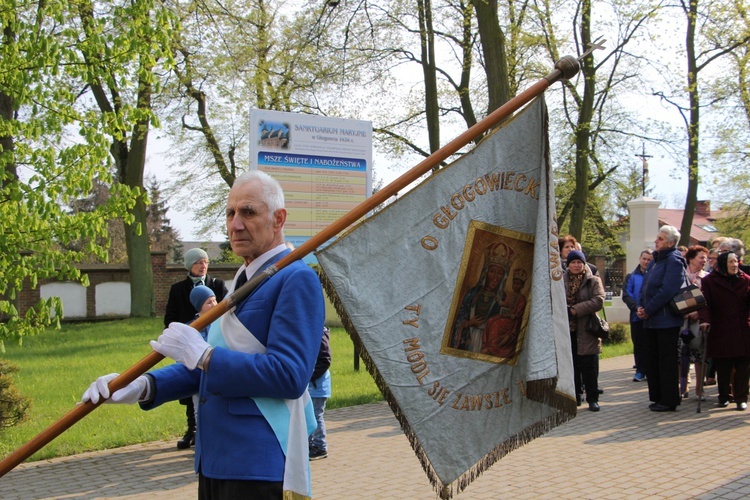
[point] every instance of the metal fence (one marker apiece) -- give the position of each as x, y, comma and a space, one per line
613, 277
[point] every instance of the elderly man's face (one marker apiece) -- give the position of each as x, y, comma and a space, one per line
252, 229
661, 243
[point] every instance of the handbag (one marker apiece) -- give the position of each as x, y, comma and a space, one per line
688, 299
598, 327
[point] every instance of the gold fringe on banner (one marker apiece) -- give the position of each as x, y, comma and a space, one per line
541, 391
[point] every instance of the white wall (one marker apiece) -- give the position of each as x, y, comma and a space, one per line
72, 295
113, 298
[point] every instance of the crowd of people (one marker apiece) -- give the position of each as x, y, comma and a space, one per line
713, 340
667, 345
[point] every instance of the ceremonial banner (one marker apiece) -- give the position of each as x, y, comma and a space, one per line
455, 295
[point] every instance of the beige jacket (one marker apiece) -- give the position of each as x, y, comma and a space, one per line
590, 300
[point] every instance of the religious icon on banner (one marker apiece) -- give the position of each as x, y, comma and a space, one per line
489, 313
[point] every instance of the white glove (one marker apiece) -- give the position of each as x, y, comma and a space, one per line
127, 395
182, 343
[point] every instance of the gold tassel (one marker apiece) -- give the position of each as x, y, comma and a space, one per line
293, 495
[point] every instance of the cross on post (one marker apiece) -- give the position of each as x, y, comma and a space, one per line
644, 159
595, 45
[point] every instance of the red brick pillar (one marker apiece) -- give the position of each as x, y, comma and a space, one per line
161, 281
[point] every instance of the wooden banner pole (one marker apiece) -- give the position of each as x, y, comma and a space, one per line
565, 68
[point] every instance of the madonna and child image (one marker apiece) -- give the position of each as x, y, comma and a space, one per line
489, 311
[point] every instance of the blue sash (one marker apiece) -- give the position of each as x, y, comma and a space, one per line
292, 421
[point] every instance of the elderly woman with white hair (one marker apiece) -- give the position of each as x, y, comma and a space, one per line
664, 278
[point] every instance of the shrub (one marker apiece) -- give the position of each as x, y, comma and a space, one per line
619, 333
13, 405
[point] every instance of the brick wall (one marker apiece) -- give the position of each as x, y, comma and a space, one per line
164, 276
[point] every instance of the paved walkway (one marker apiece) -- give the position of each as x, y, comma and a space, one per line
624, 451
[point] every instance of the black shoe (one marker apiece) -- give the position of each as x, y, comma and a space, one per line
651, 405
187, 441
594, 406
317, 453
661, 407
578, 400
599, 390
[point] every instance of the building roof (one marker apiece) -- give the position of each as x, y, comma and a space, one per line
703, 229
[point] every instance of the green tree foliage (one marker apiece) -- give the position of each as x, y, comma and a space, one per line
715, 31
52, 151
13, 405
736, 222
125, 46
730, 149
596, 124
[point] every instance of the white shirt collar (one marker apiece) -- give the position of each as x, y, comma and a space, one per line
253, 267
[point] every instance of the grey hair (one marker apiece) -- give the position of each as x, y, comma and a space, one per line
671, 232
273, 195
735, 245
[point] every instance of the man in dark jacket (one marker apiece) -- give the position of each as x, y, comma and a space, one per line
631, 294
181, 310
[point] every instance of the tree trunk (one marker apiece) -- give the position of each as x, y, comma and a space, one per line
427, 43
493, 48
9, 167
693, 127
464, 94
142, 302
583, 130
6, 113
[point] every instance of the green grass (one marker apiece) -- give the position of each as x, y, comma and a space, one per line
57, 366
612, 351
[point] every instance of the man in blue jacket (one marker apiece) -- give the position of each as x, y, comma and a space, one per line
254, 412
664, 278
631, 294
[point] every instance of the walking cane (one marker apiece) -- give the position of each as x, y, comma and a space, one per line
705, 368
565, 68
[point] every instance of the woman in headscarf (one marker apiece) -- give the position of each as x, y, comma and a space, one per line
727, 292
585, 296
